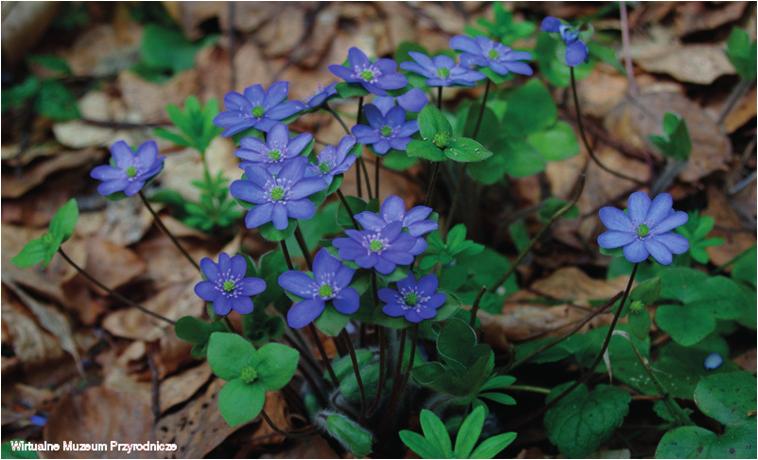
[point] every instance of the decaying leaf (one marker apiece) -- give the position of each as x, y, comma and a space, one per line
14, 186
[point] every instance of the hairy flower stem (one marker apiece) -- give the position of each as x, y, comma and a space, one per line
347, 207
337, 117
303, 247
110, 291
286, 253
604, 347
377, 166
362, 167
432, 184
324, 358
585, 141
163, 228
404, 375
382, 371
439, 97
481, 109
579, 187
358, 169
396, 377
356, 369
475, 306
302, 433
307, 367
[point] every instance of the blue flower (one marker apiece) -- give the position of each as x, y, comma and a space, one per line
576, 50
376, 77
277, 149
330, 283
227, 286
322, 94
128, 171
256, 108
483, 52
713, 361
381, 249
385, 131
277, 197
645, 229
414, 221
333, 161
415, 300
441, 70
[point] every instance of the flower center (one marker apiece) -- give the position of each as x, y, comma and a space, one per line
325, 291
229, 285
324, 167
258, 111
131, 171
643, 230
275, 155
443, 72
493, 54
375, 245
277, 193
411, 299
248, 374
441, 139
386, 131
367, 74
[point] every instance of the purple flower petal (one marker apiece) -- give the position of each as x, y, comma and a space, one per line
222, 306
550, 24
347, 301
279, 216
674, 220
206, 291
297, 283
576, 53
660, 253
635, 252
674, 242
615, 219
259, 215
304, 312
428, 285
209, 269
393, 209
251, 286
615, 239
393, 309
242, 305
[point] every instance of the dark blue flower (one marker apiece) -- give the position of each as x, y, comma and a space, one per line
277, 149
277, 197
330, 283
713, 361
576, 50
385, 131
333, 161
375, 77
227, 286
256, 108
414, 221
483, 52
382, 250
128, 171
322, 94
441, 70
415, 300
646, 229
414, 100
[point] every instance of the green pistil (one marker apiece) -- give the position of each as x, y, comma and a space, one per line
258, 111
325, 291
443, 72
411, 299
367, 75
324, 167
643, 230
275, 155
441, 139
229, 285
375, 246
248, 374
493, 54
386, 131
131, 171
277, 193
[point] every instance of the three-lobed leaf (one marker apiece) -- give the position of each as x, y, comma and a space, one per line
228, 354
240, 402
276, 365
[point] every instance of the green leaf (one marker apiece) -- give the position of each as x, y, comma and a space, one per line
555, 143
469, 433
727, 397
675, 141
530, 109
166, 48
8, 450
172, 137
493, 446
552, 205
240, 402
350, 434
419, 445
348, 90
697, 442
34, 252
398, 161
63, 222
522, 159
401, 53
456, 341
15, 96
741, 52
431, 122
331, 322
606, 54
647, 291
425, 150
51, 62
228, 353
277, 365
745, 267
56, 102
435, 431
500, 398
550, 53
583, 420
687, 325
498, 382
269, 232
465, 150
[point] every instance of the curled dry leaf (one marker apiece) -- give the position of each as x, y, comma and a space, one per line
179, 388
123, 222
111, 264
95, 105
30, 344
633, 121
105, 50
146, 101
100, 415
728, 226
16, 185
184, 167
698, 16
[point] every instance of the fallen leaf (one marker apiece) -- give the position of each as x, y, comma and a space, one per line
179, 388
146, 101
282, 33
14, 186
746, 360
104, 50
728, 226
312, 447
742, 113
123, 222
95, 105
186, 166
111, 264
705, 16
30, 344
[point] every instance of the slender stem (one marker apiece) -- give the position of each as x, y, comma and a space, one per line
290, 434
303, 247
286, 253
432, 184
337, 117
558, 214
481, 109
356, 369
439, 97
347, 207
362, 166
397, 377
324, 358
377, 165
229, 324
626, 50
456, 194
475, 307
358, 169
110, 291
307, 366
163, 228
382, 372
605, 345
405, 374
737, 92
586, 143
530, 389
